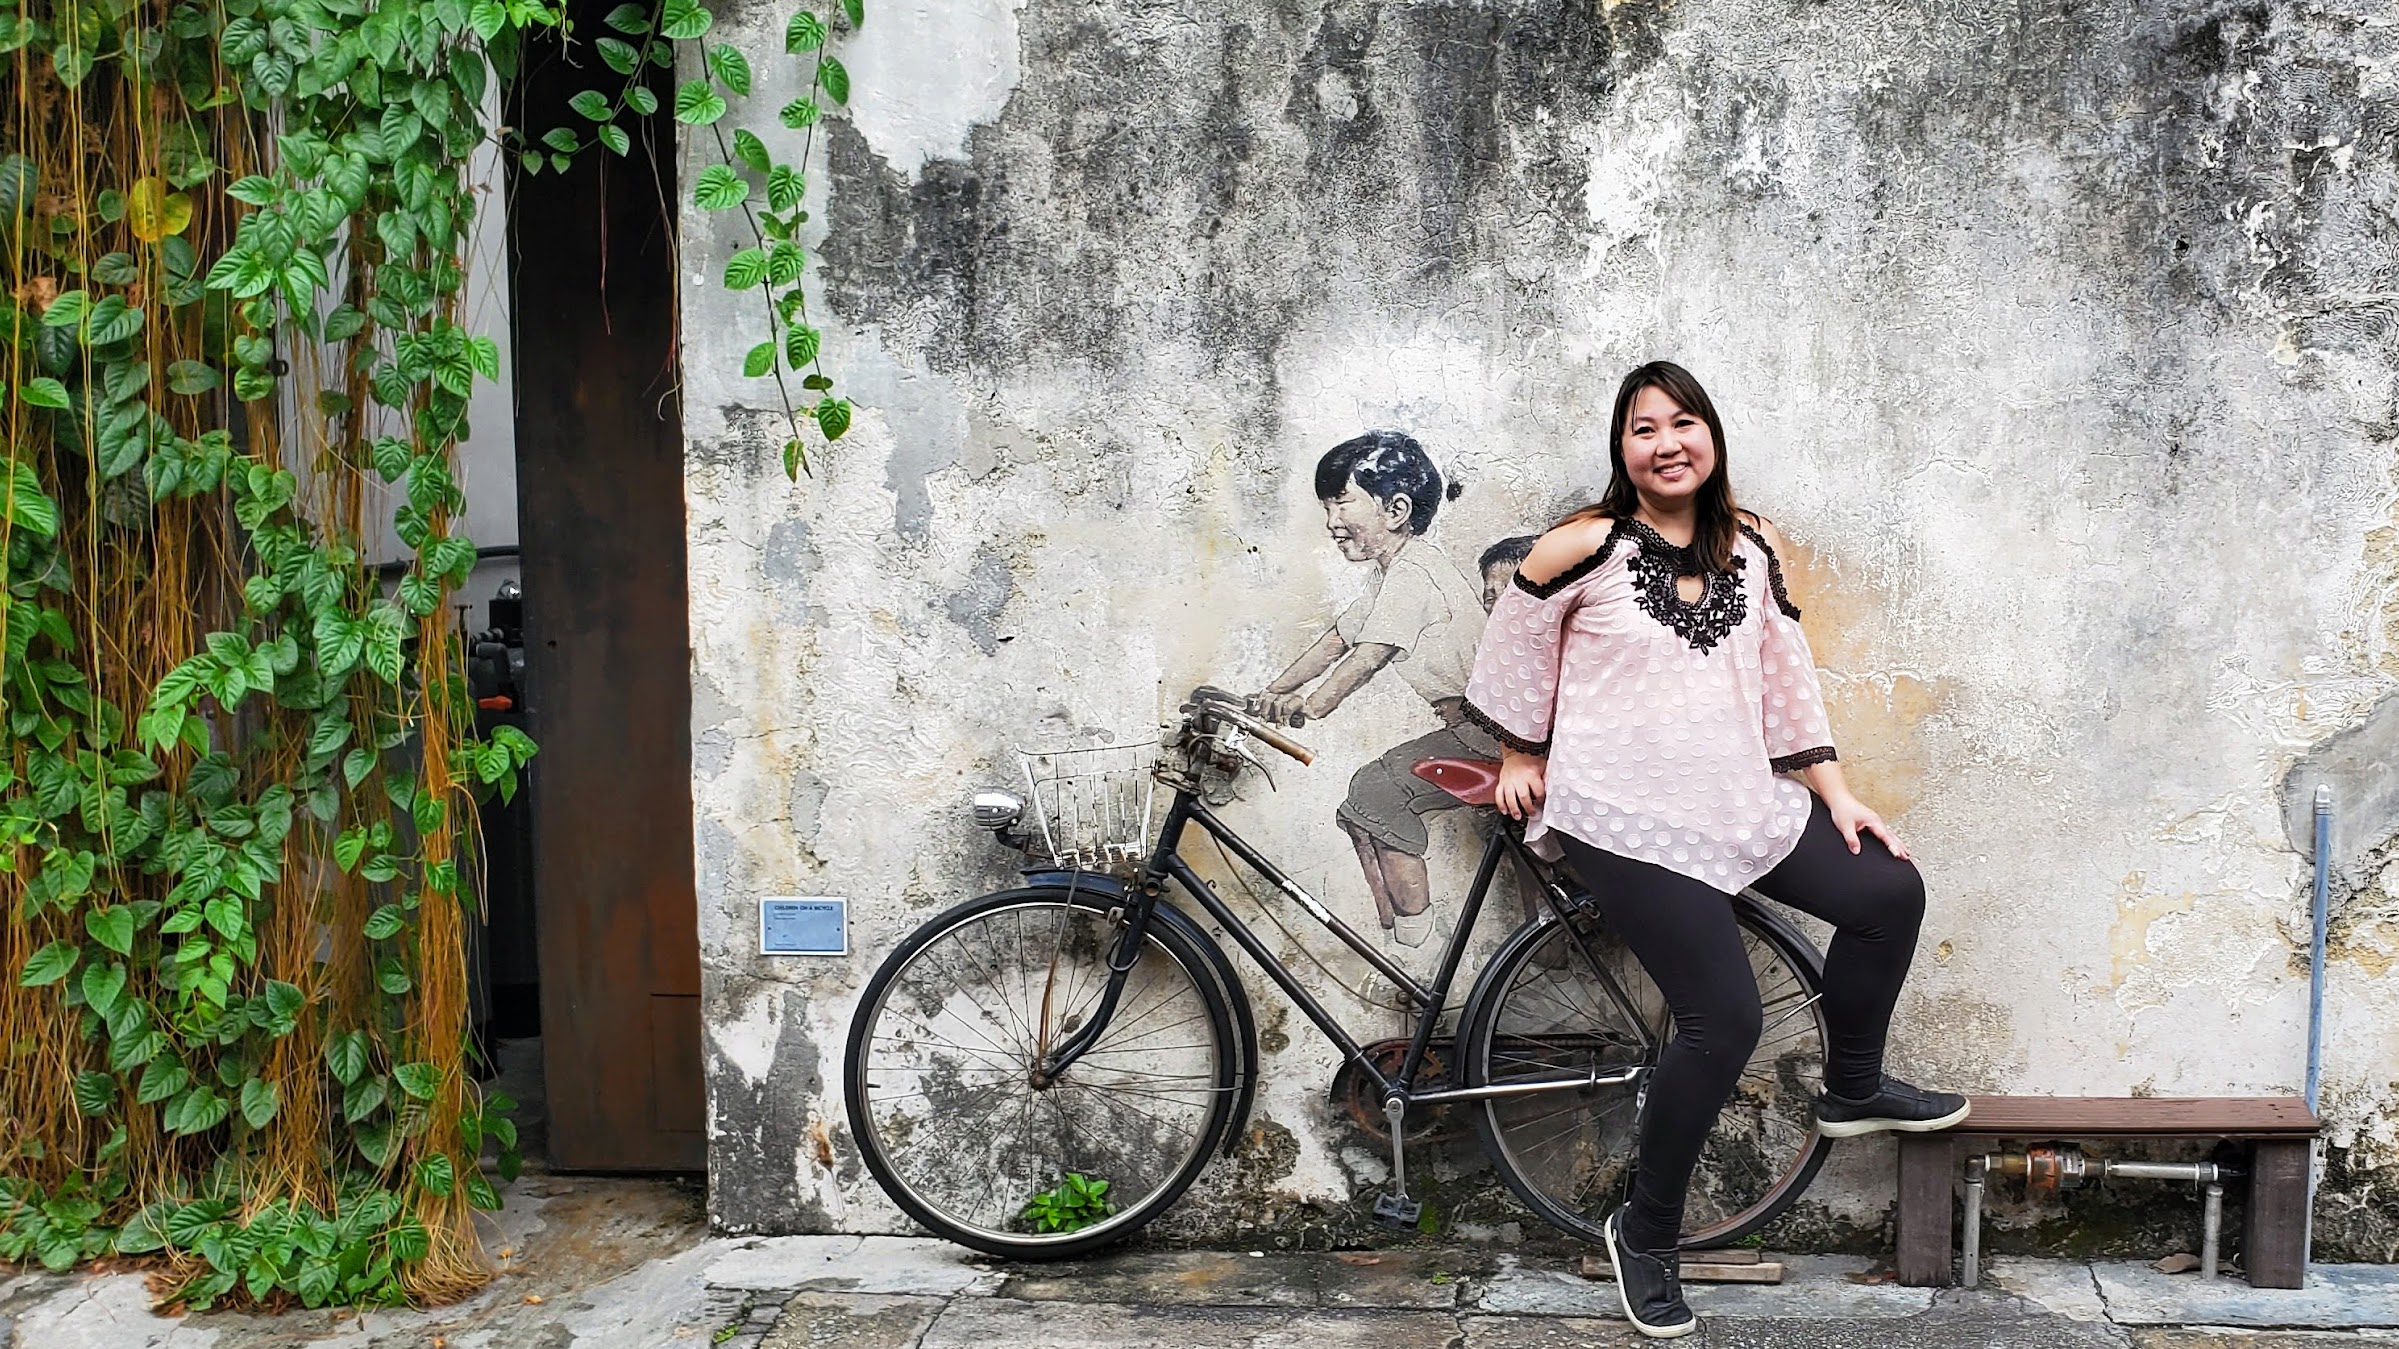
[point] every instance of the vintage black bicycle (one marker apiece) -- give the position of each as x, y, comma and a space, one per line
1086, 1025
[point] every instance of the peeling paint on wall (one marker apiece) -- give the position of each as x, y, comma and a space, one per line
2059, 341
941, 67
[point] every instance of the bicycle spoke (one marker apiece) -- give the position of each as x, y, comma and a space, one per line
991, 980
1121, 1041
1109, 1101
1797, 1010
1572, 1123
992, 967
1118, 1072
991, 1064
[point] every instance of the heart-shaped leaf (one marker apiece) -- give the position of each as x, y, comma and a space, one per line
719, 188
153, 210
684, 20
697, 103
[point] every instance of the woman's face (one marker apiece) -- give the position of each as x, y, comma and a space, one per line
1364, 529
1668, 452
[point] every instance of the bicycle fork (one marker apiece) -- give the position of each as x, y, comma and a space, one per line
1132, 927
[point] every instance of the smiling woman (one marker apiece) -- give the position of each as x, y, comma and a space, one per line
1648, 676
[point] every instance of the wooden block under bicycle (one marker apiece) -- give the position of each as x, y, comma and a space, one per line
1733, 1266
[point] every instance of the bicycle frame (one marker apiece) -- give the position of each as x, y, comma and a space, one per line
1166, 861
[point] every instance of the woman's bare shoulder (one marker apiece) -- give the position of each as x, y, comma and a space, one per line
1564, 548
1766, 530
1763, 530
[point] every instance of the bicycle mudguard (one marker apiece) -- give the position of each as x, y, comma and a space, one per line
1228, 979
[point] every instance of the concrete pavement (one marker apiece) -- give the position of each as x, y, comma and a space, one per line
626, 1264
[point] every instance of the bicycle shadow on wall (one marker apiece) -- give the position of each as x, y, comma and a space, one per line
1038, 1072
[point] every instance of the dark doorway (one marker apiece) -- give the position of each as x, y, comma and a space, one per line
607, 682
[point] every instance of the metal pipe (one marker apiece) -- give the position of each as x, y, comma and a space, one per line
2196, 1173
2315, 959
1976, 1169
2050, 1168
2315, 992
2211, 1230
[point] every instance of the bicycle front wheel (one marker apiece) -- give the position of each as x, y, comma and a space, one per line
1565, 1002
970, 1140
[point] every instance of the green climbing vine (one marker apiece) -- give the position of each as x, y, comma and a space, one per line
772, 207
240, 772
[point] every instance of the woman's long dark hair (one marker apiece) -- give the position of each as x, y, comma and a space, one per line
1719, 523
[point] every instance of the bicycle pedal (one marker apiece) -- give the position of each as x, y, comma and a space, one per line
1399, 1214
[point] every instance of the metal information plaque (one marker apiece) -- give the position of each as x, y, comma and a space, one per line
809, 925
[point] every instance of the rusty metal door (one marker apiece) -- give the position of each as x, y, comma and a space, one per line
608, 670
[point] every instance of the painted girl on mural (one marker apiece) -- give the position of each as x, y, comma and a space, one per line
1421, 617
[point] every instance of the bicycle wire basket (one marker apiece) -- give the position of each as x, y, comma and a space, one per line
1093, 802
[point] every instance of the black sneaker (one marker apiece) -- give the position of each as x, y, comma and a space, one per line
1650, 1287
1898, 1107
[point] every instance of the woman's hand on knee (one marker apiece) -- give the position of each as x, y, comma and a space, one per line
1523, 782
1855, 818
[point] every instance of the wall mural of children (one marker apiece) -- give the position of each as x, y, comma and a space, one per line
1421, 617
1499, 563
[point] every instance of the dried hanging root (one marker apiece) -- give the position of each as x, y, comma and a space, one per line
308, 1066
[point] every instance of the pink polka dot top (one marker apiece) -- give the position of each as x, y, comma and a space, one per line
1667, 722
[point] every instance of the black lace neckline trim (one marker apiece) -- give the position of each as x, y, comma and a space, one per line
1542, 590
1701, 623
1774, 574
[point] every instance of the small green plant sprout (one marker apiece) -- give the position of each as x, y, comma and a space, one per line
1074, 1204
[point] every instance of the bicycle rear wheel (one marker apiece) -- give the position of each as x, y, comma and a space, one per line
1559, 1001
941, 1084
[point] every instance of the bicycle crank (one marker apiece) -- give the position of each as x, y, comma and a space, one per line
1394, 1208
1356, 1094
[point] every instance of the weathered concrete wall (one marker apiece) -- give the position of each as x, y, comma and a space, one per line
2059, 338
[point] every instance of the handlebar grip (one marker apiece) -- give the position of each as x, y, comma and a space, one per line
1233, 708
1281, 741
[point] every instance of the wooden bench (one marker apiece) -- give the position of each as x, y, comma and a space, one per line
2279, 1131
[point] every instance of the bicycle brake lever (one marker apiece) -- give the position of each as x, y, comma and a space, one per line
1232, 744
1263, 771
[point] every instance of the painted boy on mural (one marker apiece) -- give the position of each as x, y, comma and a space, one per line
1421, 617
1498, 565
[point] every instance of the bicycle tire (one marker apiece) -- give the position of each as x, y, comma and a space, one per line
1759, 1157
951, 1126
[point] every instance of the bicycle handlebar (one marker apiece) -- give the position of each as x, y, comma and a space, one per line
1268, 734
1218, 703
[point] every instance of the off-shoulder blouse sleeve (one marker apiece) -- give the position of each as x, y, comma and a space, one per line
1513, 692
1791, 701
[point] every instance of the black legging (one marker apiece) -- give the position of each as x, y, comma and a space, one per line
1683, 933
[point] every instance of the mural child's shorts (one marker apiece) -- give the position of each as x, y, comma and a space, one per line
1389, 802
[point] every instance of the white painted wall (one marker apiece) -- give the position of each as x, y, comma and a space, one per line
2059, 345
